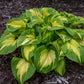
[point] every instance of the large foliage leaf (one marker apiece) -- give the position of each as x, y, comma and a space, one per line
56, 25
28, 51
76, 33
7, 44
15, 24
6, 32
35, 20
52, 26
72, 50
34, 12
22, 70
78, 21
73, 20
35, 17
63, 35
45, 59
28, 37
49, 11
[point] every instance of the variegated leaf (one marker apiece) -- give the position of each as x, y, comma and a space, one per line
75, 33
45, 12
49, 11
35, 20
72, 50
63, 35
61, 68
6, 32
22, 70
45, 59
28, 37
72, 18
82, 54
35, 16
81, 42
15, 24
43, 28
35, 12
7, 44
47, 36
58, 45
62, 19
82, 18
64, 14
82, 21
75, 21
56, 25
27, 51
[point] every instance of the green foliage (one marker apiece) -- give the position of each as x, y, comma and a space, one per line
46, 37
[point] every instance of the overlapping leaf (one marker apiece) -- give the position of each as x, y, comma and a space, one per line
58, 45
63, 35
35, 17
62, 19
47, 36
49, 11
22, 69
75, 33
81, 42
61, 67
77, 21
56, 25
6, 32
28, 51
15, 24
45, 59
72, 50
28, 37
7, 44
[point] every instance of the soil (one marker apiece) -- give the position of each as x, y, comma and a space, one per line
14, 8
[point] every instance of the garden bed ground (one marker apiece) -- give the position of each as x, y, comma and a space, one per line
74, 72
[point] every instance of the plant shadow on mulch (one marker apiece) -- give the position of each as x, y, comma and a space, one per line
14, 8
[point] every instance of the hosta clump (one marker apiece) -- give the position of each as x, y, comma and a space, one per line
45, 37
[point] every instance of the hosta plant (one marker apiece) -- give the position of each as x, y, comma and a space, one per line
45, 38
